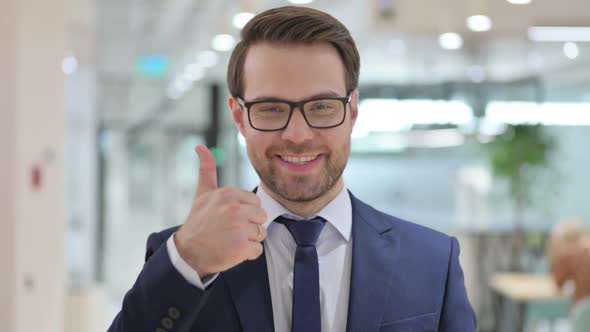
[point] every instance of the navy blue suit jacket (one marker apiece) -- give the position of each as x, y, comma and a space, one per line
404, 278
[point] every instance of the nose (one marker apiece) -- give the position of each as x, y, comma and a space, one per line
298, 131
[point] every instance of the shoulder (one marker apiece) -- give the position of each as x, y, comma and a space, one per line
409, 234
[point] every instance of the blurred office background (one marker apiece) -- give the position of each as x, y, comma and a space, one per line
474, 120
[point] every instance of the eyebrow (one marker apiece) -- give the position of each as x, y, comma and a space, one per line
325, 94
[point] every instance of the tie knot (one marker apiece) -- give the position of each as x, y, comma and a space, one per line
304, 232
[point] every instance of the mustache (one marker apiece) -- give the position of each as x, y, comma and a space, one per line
294, 148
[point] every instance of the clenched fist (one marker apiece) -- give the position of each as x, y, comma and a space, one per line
224, 226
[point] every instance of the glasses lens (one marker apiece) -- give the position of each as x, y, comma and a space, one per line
324, 113
269, 115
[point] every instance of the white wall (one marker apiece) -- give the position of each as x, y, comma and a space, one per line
7, 162
32, 134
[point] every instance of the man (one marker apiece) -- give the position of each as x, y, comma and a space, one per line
569, 258
301, 253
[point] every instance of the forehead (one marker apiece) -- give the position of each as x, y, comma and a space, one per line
293, 71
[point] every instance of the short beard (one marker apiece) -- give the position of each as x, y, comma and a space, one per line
333, 172
309, 194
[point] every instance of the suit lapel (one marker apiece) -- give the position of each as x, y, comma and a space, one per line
374, 255
373, 277
249, 289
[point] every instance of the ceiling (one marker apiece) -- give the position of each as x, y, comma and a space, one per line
397, 40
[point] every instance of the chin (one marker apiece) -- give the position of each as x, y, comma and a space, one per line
300, 195
305, 188
299, 189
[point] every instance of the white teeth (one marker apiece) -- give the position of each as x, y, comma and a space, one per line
298, 160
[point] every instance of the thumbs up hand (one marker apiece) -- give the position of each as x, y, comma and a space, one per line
224, 226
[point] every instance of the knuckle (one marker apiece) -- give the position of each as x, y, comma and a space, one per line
202, 199
225, 192
199, 199
257, 200
232, 210
263, 215
263, 233
257, 215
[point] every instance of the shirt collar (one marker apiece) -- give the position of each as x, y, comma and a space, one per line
338, 212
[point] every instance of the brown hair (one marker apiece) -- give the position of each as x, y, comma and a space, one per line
294, 25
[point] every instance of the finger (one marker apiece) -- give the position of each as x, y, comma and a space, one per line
207, 170
256, 232
248, 197
254, 214
254, 250
227, 194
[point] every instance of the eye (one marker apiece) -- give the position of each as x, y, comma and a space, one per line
321, 106
271, 109
324, 106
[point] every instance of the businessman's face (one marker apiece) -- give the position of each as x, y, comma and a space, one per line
298, 163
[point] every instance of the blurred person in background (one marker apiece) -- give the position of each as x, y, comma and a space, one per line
300, 253
568, 253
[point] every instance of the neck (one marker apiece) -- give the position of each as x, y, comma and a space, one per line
310, 208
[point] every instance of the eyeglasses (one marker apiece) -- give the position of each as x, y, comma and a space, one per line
275, 114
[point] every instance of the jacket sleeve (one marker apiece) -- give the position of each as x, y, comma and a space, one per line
457, 313
161, 299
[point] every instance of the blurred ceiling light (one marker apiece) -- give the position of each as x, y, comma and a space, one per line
182, 85
241, 19
571, 50
421, 138
392, 115
556, 114
178, 87
69, 65
479, 23
487, 128
208, 58
559, 34
450, 41
300, 2
519, 2
223, 42
194, 72
437, 138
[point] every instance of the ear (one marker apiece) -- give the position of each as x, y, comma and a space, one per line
237, 113
354, 106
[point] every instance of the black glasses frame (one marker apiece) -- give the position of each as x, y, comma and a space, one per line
345, 101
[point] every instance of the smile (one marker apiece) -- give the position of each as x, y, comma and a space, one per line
301, 160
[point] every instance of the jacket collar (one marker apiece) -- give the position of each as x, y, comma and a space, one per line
375, 252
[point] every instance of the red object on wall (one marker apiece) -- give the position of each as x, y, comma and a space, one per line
36, 177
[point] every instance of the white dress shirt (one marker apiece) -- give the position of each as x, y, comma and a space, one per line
334, 248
